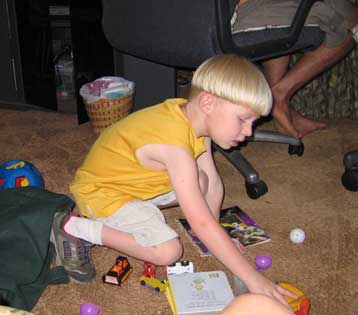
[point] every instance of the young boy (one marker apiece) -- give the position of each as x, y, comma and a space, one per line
160, 156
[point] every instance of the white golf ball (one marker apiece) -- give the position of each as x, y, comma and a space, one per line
297, 235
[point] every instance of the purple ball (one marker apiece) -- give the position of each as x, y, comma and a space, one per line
263, 261
89, 309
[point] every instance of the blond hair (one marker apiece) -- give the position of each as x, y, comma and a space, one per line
234, 79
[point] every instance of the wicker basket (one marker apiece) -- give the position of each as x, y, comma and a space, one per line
105, 112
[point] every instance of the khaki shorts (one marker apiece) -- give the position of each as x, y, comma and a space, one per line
332, 16
144, 220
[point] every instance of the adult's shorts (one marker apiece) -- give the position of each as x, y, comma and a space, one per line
332, 16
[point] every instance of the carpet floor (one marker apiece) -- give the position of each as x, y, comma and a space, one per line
304, 192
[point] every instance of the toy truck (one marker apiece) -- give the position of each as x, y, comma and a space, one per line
180, 267
119, 272
152, 283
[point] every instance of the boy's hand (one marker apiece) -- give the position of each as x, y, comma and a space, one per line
262, 285
184, 176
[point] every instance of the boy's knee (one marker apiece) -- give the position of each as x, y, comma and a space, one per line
168, 252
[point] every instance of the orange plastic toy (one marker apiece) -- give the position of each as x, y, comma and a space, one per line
301, 305
119, 272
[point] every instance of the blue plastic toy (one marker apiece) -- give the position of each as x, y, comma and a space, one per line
19, 173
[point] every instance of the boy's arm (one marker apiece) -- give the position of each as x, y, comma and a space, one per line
215, 190
183, 173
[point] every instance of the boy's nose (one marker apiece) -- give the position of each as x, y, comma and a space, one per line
247, 131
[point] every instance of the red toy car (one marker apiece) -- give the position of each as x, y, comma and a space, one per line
149, 270
119, 272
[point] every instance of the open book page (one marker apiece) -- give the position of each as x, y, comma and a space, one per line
199, 292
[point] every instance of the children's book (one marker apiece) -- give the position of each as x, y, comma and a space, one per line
237, 223
198, 293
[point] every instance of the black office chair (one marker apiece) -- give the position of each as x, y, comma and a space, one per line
154, 38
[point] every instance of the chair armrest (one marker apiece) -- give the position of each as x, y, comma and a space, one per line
262, 49
299, 21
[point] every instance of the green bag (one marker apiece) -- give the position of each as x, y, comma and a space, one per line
26, 253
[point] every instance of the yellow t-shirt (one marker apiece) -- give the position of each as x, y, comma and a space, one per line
111, 175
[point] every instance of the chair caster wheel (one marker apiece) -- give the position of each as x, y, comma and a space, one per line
350, 176
296, 149
350, 180
256, 190
350, 160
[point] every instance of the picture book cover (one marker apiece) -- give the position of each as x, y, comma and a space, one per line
237, 223
199, 292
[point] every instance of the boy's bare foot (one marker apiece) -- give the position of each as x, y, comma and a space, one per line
305, 125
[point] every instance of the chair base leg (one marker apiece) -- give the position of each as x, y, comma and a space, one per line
255, 187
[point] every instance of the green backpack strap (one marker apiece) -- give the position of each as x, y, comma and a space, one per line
58, 274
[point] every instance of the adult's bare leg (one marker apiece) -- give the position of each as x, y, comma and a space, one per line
306, 125
287, 120
275, 70
308, 67
285, 83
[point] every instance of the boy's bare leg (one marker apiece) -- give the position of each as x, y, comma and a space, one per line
255, 304
162, 254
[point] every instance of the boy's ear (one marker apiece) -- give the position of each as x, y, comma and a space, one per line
206, 102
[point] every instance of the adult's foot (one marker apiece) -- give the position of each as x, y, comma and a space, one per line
283, 122
305, 125
282, 114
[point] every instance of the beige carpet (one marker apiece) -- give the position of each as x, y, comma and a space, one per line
303, 192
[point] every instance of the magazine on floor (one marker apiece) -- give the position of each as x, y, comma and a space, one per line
237, 223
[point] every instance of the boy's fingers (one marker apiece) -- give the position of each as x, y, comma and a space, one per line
282, 300
286, 292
